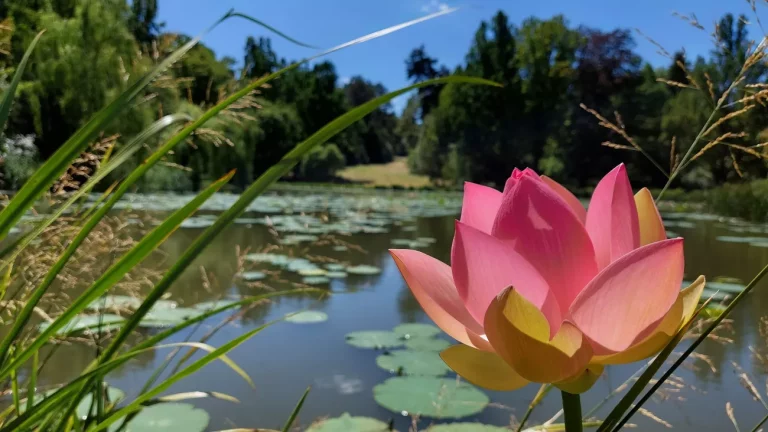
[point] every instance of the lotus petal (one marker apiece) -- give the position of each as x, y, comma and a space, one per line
648, 217
481, 368
479, 207
568, 197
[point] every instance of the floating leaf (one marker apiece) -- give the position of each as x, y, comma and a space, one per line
426, 240
214, 304
308, 317
728, 287
116, 302
167, 317
315, 280
412, 330
114, 395
679, 224
197, 222
426, 344
334, 267
90, 323
715, 295
363, 270
252, 276
672, 234
168, 417
430, 397
734, 239
312, 271
374, 339
340, 248
426, 363
274, 259
347, 423
336, 274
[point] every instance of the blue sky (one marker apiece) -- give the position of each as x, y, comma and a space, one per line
326, 23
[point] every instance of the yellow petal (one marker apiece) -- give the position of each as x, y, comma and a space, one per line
519, 333
651, 227
678, 316
482, 368
582, 382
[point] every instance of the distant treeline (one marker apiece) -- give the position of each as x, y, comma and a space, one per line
93, 49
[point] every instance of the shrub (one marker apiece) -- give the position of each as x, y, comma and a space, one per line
322, 163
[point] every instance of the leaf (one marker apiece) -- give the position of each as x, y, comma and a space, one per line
252, 276
374, 339
430, 397
168, 417
426, 344
308, 317
296, 410
10, 92
315, 280
416, 330
423, 363
467, 427
83, 323
347, 423
363, 270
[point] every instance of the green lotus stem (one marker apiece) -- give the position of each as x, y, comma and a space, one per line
572, 412
543, 390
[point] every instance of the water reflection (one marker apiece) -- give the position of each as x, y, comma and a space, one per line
287, 357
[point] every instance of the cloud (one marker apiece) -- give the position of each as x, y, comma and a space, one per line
345, 80
434, 6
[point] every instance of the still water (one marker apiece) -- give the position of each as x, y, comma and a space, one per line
286, 358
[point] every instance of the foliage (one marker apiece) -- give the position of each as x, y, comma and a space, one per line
322, 163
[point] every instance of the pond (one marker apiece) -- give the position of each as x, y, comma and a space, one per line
342, 241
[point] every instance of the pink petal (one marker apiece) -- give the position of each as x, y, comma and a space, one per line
517, 175
431, 283
484, 266
480, 205
543, 229
569, 198
630, 297
612, 218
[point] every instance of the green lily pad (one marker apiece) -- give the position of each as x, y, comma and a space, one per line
734, 239
425, 363
672, 234
197, 222
308, 317
401, 242
408, 228
214, 304
412, 330
430, 397
340, 248
114, 395
762, 244
168, 317
467, 427
298, 264
298, 238
119, 302
165, 304
336, 274
679, 224
347, 423
312, 271
315, 280
252, 276
269, 258
363, 270
168, 417
426, 240
426, 344
87, 323
374, 339
335, 267
728, 287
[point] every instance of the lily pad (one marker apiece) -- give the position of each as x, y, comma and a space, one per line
269, 258
308, 317
374, 339
363, 270
426, 240
168, 417
168, 317
114, 395
347, 423
315, 280
312, 271
119, 302
728, 287
340, 248
335, 267
89, 323
252, 276
424, 363
198, 222
426, 344
214, 304
735, 239
715, 295
672, 234
413, 330
298, 264
712, 310
430, 397
336, 274
467, 427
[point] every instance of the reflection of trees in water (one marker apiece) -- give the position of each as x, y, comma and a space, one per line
409, 308
66, 361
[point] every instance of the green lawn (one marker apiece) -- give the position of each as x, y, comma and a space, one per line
395, 173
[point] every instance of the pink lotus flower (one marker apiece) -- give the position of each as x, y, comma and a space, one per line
540, 289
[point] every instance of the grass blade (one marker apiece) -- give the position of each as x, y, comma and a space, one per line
32, 381
296, 410
272, 29
140, 251
10, 92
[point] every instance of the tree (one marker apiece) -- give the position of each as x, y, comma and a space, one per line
142, 21
420, 67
